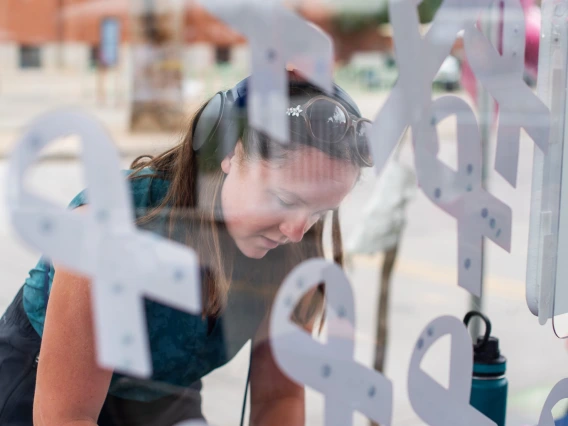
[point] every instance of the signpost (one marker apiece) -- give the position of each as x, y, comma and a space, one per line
110, 42
108, 56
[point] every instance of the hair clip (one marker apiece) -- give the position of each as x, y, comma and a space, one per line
294, 111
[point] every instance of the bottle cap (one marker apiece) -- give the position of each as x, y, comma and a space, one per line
487, 351
487, 357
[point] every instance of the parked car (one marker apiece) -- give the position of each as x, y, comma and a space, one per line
448, 76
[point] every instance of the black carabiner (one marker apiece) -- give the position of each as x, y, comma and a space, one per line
472, 314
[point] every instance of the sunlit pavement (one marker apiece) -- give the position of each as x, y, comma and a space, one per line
423, 288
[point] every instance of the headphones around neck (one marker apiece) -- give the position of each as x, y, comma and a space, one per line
221, 119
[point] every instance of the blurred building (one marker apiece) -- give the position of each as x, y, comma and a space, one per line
67, 34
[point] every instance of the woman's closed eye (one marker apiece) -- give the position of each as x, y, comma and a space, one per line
289, 205
285, 204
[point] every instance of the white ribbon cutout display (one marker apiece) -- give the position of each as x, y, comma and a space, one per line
461, 193
277, 37
328, 368
410, 104
434, 404
558, 393
125, 264
502, 75
410, 100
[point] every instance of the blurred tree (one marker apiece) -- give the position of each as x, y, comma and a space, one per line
357, 25
353, 20
157, 96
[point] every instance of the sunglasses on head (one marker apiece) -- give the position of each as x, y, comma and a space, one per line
328, 121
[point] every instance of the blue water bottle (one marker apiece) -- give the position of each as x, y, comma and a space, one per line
489, 384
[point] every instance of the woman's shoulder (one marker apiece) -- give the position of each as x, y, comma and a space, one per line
147, 189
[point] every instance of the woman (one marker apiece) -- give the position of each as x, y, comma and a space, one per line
252, 209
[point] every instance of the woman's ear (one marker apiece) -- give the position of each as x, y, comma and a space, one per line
232, 157
226, 163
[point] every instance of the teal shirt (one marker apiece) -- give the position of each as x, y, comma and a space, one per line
184, 347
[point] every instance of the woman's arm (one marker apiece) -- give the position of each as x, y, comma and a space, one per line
71, 388
275, 399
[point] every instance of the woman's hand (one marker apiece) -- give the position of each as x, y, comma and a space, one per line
275, 399
71, 388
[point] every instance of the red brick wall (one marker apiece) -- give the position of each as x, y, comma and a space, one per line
28, 21
36, 21
48, 21
82, 18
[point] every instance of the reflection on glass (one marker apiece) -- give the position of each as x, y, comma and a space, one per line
252, 209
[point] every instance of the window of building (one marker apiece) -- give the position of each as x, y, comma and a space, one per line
94, 56
30, 56
222, 55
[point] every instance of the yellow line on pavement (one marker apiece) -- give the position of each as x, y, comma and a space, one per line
442, 275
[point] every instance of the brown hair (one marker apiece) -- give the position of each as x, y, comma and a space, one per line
191, 207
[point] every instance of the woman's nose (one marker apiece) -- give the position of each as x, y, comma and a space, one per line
294, 227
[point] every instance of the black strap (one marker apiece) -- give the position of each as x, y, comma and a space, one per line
47, 263
246, 388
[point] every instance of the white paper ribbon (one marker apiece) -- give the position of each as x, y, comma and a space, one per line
328, 368
277, 37
411, 97
125, 264
558, 393
460, 193
434, 404
502, 76
418, 61
410, 104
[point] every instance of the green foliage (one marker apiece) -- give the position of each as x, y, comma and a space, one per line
357, 19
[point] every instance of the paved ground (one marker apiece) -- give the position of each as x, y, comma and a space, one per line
424, 285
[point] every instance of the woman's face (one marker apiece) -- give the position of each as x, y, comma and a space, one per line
266, 204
